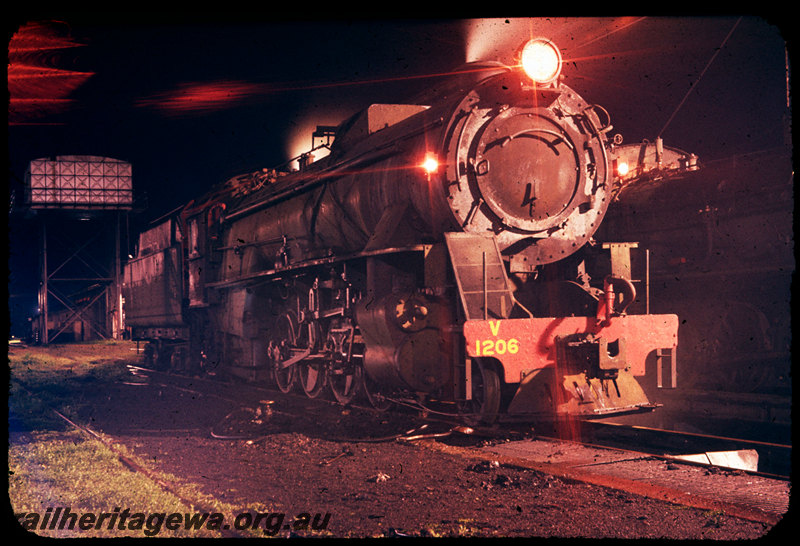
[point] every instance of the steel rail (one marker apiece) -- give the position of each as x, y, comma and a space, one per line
679, 442
133, 465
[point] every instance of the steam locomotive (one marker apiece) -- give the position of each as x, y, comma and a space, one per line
440, 253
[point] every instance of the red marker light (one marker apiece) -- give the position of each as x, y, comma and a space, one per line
430, 165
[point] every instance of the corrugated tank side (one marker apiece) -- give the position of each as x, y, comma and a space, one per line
153, 289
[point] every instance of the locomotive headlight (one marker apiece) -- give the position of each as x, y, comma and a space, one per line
541, 60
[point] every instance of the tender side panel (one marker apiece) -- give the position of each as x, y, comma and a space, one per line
154, 289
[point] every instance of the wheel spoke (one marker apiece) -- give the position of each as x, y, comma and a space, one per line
284, 377
279, 350
344, 381
312, 377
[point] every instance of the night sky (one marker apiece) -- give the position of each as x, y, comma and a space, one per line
192, 104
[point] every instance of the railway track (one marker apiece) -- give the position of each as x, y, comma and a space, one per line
633, 459
297, 408
774, 459
747, 495
756, 416
133, 465
641, 460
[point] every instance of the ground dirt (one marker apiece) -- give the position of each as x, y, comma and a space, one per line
293, 455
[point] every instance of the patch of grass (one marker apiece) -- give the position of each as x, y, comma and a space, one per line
53, 465
58, 374
64, 469
70, 470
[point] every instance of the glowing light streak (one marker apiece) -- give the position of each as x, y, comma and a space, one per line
493, 38
378, 80
37, 37
36, 89
623, 23
203, 97
35, 82
613, 55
